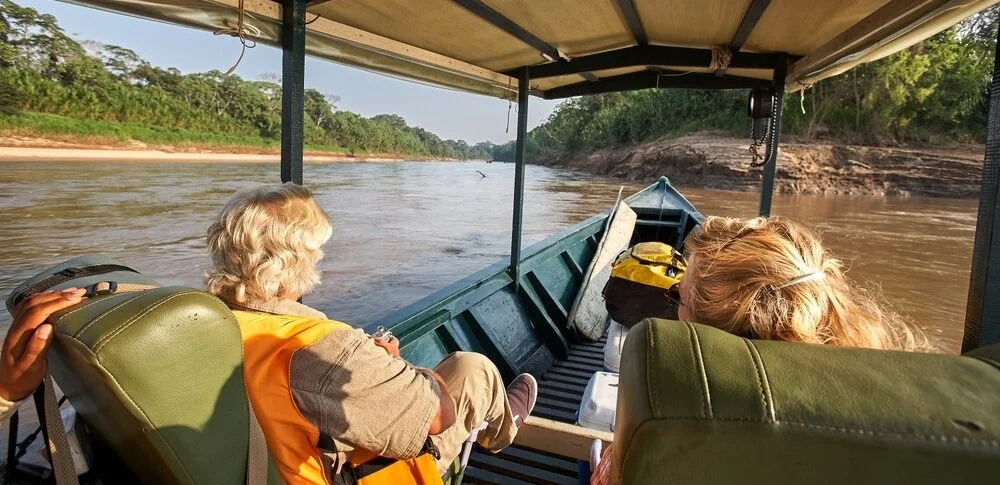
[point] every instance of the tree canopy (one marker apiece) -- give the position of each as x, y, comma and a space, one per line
933, 92
44, 70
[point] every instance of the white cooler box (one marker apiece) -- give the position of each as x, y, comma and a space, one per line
613, 347
597, 408
597, 411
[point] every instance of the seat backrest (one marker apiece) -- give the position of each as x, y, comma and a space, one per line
157, 375
699, 405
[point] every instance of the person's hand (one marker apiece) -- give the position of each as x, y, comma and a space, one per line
391, 346
22, 362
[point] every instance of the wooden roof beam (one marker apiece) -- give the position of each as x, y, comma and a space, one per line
750, 19
507, 25
655, 79
627, 8
647, 55
316, 3
893, 17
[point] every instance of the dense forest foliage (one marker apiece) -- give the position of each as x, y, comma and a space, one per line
932, 92
51, 84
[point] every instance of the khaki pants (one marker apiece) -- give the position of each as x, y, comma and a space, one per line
478, 390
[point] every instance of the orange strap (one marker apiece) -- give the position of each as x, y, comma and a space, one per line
367, 468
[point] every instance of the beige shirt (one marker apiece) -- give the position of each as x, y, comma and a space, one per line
356, 393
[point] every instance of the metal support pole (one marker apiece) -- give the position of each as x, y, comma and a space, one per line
982, 313
522, 132
773, 135
293, 74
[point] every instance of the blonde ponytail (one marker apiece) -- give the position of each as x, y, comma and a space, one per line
770, 278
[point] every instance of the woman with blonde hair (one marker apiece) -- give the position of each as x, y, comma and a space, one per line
332, 401
771, 279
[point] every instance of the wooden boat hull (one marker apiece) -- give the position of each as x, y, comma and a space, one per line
524, 330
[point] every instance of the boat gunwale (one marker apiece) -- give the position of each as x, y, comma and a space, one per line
495, 277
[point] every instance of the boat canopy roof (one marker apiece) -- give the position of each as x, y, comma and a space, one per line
577, 47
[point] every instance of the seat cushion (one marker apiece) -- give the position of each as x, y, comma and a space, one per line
699, 405
157, 376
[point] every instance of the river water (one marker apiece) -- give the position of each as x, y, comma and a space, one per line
403, 230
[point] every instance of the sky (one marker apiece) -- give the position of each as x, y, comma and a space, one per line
449, 114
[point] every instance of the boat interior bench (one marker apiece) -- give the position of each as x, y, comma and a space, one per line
698, 405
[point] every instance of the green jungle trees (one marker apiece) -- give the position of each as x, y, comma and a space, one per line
47, 76
933, 92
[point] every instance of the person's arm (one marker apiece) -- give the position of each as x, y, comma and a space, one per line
22, 363
445, 416
359, 395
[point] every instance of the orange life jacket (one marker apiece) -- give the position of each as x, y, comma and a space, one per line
269, 342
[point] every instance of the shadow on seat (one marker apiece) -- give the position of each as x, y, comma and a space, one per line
699, 405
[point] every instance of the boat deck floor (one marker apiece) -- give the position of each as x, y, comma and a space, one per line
560, 391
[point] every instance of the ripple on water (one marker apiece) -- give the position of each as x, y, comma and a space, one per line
403, 230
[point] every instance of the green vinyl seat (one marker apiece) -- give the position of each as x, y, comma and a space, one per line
157, 378
698, 405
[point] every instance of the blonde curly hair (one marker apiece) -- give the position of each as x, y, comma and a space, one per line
266, 243
739, 272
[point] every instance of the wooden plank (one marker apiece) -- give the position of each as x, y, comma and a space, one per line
587, 359
554, 414
560, 438
571, 373
475, 475
538, 312
571, 263
569, 397
589, 368
519, 472
563, 386
268, 9
489, 343
588, 314
552, 304
557, 404
539, 460
574, 381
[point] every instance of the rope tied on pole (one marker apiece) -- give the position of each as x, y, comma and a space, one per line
721, 57
243, 32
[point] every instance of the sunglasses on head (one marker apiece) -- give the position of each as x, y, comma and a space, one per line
673, 294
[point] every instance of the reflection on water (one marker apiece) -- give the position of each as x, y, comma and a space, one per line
403, 230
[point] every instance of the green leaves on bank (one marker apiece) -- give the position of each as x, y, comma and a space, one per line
933, 92
54, 79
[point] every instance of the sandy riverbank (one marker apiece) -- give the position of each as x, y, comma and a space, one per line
29, 149
710, 161
21, 154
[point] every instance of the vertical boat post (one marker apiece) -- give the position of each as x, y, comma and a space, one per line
773, 134
293, 74
982, 313
522, 130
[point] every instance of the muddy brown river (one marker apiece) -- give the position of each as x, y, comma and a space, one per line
403, 230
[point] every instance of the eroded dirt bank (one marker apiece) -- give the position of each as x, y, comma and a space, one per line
721, 162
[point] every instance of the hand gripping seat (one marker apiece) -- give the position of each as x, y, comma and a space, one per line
156, 375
